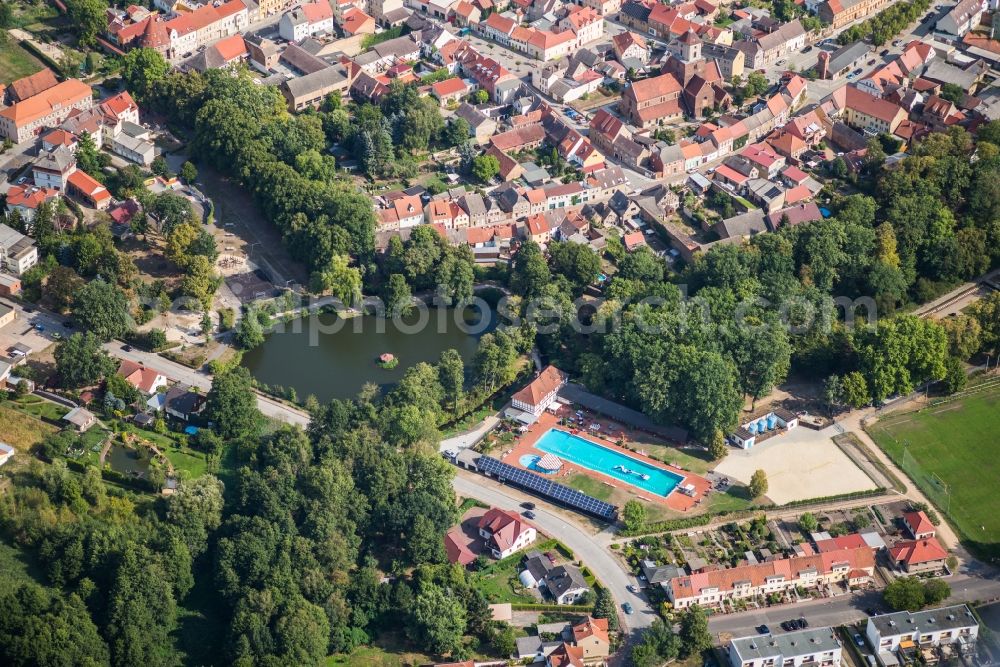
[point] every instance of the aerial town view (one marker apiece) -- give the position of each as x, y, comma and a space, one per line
474, 333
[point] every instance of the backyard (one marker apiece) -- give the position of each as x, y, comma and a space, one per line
949, 451
498, 581
15, 61
21, 429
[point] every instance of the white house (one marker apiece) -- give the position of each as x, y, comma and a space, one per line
17, 251
505, 532
905, 631
541, 392
306, 20
816, 646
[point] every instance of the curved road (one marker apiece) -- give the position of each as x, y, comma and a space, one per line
593, 554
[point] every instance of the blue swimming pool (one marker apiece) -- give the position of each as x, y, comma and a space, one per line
608, 462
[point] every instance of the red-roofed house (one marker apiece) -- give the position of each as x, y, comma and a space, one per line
456, 548
541, 392
505, 532
142, 378
591, 635
27, 198
189, 30
565, 655
356, 22
918, 524
925, 555
709, 589
449, 90
306, 20
863, 111
633, 241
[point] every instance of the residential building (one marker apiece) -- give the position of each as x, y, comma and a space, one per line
505, 532
870, 114
842, 61
652, 102
904, 632
306, 20
17, 251
630, 46
183, 403
189, 30
450, 90
48, 108
918, 524
310, 90
143, 378
731, 61
770, 47
224, 53
481, 126
962, 18
7, 315
565, 583
840, 13
80, 419
25, 199
540, 392
591, 635
29, 86
709, 589
817, 647
52, 168
916, 556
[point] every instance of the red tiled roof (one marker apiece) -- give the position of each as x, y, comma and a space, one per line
548, 381
317, 11
89, 186
591, 627
862, 102
62, 95
120, 104
449, 87
657, 86
456, 549
918, 522
29, 196
852, 541
139, 376
633, 240
918, 551
504, 527
231, 48
34, 84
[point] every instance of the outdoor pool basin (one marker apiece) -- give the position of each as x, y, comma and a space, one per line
587, 454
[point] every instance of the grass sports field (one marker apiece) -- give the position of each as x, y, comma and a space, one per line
950, 451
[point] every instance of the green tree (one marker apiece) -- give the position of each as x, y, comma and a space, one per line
494, 361
456, 132
577, 262
89, 18
103, 309
905, 593
955, 378
936, 591
451, 374
758, 484
397, 295
232, 404
196, 509
80, 361
694, 633
141, 611
189, 172
485, 168
61, 287
529, 271
343, 280
808, 522
438, 620
717, 447
604, 606
855, 390
634, 515
249, 333
987, 313
39, 627
142, 70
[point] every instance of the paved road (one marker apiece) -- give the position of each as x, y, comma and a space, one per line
469, 438
843, 609
604, 566
175, 371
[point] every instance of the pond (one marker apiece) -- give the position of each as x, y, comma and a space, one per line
331, 357
127, 461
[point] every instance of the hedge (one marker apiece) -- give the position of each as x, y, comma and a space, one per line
569, 608
38, 53
704, 519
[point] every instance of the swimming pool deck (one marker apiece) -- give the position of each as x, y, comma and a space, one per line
675, 500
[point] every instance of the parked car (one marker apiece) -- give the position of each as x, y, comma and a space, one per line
884, 52
528, 514
528, 506
807, 49
858, 639
788, 626
126, 348
871, 62
763, 629
802, 623
627, 608
631, 589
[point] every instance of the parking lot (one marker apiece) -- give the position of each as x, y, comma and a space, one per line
35, 329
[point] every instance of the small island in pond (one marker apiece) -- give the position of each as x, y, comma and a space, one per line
387, 360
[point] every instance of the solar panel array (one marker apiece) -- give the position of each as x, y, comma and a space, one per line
538, 484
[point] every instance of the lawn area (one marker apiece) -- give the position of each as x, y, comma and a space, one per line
696, 461
193, 463
37, 407
389, 651
499, 582
949, 450
22, 430
15, 62
589, 485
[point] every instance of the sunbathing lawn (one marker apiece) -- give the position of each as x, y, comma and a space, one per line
957, 442
590, 486
15, 62
22, 430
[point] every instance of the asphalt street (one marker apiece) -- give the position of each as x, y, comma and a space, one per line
600, 561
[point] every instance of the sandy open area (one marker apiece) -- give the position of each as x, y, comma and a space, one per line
801, 464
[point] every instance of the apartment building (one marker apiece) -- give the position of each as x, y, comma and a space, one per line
816, 647
839, 13
853, 567
306, 20
206, 24
904, 632
17, 251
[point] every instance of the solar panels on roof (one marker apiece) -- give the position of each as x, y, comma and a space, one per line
541, 486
